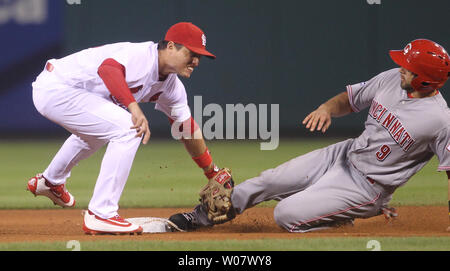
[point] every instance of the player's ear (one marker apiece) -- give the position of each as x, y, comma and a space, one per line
170, 45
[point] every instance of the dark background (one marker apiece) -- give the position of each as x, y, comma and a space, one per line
296, 54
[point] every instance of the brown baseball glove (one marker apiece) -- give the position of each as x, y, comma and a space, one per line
216, 196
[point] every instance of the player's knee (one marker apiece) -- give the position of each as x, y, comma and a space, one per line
290, 220
284, 216
126, 136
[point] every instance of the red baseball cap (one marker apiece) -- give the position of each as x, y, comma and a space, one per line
190, 36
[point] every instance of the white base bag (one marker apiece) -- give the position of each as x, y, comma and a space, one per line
154, 224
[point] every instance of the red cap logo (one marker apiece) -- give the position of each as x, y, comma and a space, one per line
190, 36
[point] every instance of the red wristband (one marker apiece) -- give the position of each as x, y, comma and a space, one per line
203, 160
212, 172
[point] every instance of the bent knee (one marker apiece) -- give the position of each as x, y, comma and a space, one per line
125, 141
292, 219
284, 216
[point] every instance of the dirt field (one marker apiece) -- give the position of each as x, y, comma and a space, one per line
255, 223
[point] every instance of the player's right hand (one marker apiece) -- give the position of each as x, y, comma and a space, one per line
319, 120
140, 122
389, 213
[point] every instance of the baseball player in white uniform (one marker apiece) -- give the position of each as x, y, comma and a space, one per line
407, 124
94, 94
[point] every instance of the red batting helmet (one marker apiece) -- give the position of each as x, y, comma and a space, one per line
428, 60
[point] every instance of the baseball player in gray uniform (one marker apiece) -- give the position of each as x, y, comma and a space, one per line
408, 123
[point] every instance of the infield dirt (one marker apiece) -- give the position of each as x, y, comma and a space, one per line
256, 223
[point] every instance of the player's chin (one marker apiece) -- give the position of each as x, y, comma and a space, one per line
186, 73
406, 86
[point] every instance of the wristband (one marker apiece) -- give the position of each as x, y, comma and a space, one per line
212, 172
203, 160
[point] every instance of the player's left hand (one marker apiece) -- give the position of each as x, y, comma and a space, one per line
319, 118
216, 196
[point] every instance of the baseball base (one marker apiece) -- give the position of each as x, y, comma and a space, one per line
154, 224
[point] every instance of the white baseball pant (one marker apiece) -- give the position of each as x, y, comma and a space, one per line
93, 121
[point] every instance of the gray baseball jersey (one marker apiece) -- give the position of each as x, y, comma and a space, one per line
401, 133
354, 178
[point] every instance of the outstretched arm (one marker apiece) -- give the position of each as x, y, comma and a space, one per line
191, 136
320, 119
196, 147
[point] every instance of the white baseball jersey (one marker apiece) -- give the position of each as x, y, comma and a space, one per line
141, 66
70, 93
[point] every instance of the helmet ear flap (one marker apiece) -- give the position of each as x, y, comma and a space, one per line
420, 83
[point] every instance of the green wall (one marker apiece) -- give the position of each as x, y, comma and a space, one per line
293, 53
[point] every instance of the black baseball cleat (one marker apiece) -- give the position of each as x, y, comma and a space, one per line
184, 221
190, 221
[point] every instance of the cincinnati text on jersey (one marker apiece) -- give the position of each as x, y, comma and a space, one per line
392, 124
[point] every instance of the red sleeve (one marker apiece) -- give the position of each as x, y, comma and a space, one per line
113, 75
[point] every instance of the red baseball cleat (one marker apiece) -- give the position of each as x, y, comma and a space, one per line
115, 225
39, 186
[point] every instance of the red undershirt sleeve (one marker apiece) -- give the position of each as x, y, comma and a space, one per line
113, 75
